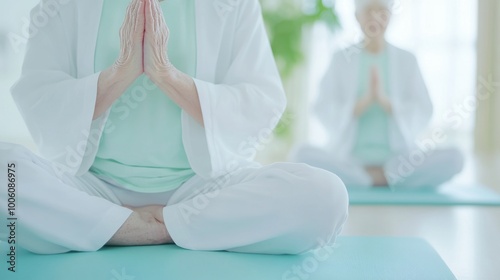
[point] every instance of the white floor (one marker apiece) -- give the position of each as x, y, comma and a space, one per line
467, 238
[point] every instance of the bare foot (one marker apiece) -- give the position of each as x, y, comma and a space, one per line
378, 176
145, 226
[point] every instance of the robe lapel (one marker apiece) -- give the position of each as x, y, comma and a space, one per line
393, 80
210, 21
87, 35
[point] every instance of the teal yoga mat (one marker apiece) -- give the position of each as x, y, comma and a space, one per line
361, 258
446, 195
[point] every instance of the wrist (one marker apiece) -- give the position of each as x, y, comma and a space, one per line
163, 74
368, 99
382, 99
124, 73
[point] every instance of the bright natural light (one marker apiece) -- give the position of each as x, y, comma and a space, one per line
442, 34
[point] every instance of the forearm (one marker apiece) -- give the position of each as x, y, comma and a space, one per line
385, 103
181, 88
111, 85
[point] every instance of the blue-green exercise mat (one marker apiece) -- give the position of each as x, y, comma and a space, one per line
445, 195
361, 258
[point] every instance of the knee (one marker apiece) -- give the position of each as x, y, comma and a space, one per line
324, 201
37, 246
11, 152
330, 195
307, 154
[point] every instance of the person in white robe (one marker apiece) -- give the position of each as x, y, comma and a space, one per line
374, 105
69, 196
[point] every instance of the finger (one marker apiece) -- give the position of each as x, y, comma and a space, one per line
127, 15
127, 34
162, 30
139, 21
154, 13
125, 28
162, 26
134, 10
157, 15
133, 16
159, 21
134, 21
150, 28
162, 19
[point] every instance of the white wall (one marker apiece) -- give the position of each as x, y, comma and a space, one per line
441, 33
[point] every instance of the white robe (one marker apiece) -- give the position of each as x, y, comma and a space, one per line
281, 208
237, 80
412, 107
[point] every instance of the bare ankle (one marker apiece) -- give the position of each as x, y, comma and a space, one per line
141, 229
378, 175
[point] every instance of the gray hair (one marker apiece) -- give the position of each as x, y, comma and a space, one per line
361, 4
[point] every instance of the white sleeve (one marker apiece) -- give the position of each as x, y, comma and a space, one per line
334, 106
415, 111
245, 104
57, 106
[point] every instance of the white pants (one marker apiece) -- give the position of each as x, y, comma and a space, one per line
412, 171
281, 208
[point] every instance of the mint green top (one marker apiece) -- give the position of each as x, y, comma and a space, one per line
141, 148
372, 145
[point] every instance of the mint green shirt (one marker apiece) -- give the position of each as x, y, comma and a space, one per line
141, 148
372, 145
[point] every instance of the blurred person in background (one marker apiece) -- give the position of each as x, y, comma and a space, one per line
373, 103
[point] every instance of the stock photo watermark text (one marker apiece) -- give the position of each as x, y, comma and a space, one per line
11, 218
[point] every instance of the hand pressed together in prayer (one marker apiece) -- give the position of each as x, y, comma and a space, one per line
375, 95
144, 37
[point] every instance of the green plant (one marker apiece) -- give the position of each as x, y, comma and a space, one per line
286, 21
